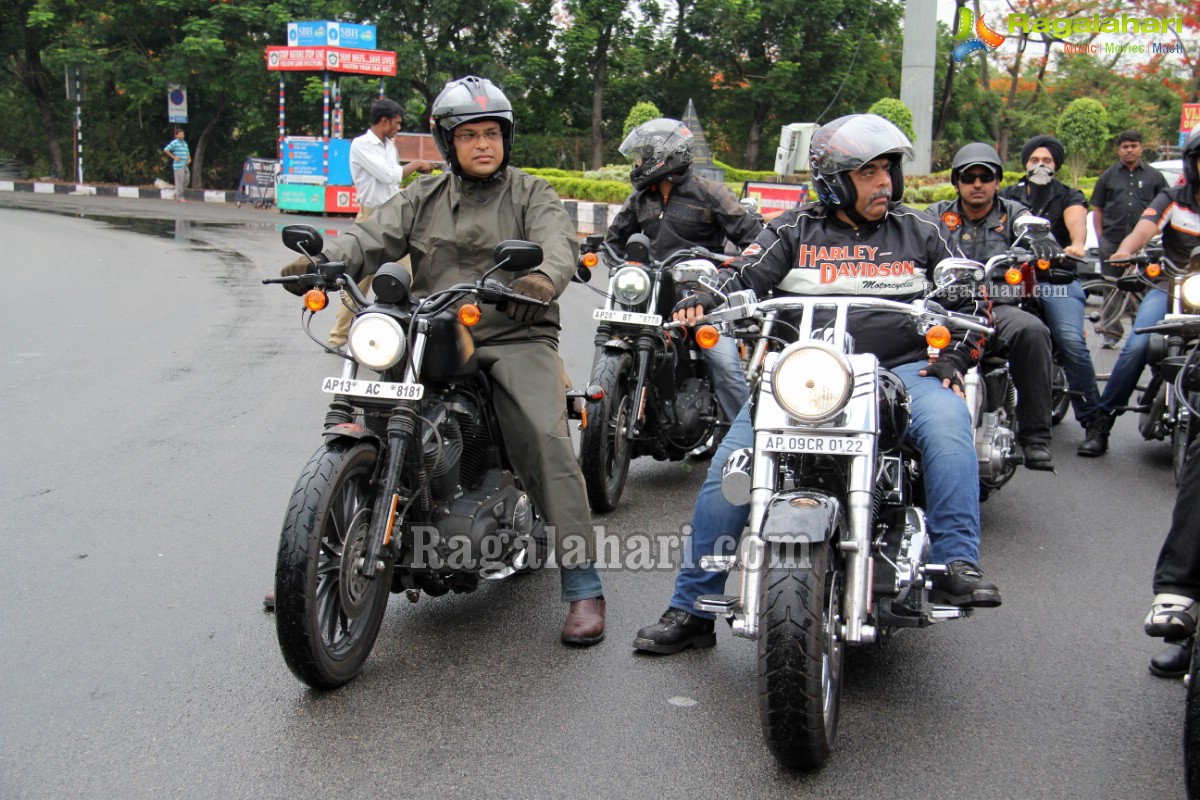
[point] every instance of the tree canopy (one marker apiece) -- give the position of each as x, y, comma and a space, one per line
574, 70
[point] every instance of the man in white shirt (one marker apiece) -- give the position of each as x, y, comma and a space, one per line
376, 171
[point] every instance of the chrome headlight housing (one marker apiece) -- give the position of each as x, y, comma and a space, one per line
631, 286
812, 382
1190, 290
376, 341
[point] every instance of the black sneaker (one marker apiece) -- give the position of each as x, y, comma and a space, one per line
962, 584
675, 631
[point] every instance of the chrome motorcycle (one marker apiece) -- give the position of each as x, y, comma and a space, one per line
411, 490
837, 551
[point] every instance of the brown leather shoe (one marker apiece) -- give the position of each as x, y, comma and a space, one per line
585, 622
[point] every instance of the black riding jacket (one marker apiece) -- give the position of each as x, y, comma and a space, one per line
808, 251
982, 239
698, 213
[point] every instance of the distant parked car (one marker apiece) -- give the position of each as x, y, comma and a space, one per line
1171, 170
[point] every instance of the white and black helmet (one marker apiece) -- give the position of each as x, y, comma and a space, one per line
469, 99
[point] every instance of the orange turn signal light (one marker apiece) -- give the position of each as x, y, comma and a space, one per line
707, 336
590, 260
315, 299
1043, 263
938, 336
470, 315
1012, 276
1153, 270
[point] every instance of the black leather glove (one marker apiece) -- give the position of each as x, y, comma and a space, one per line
1046, 248
704, 301
944, 369
535, 285
300, 266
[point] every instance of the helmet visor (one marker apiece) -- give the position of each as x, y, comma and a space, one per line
849, 142
655, 138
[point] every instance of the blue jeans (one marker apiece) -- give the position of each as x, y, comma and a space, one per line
579, 583
941, 427
1132, 360
729, 382
1064, 316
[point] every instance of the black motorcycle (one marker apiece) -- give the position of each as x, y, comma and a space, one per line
411, 490
1185, 379
654, 393
1163, 409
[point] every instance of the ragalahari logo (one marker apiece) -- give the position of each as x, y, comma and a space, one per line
976, 36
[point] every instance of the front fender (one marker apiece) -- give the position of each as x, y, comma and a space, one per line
802, 516
350, 432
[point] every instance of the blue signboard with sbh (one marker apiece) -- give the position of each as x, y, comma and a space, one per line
323, 33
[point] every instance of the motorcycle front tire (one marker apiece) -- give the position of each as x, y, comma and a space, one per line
1181, 437
1060, 395
800, 658
1191, 727
605, 450
327, 614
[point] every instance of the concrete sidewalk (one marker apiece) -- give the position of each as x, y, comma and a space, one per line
589, 218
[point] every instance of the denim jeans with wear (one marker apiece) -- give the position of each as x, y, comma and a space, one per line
1064, 316
1132, 360
941, 427
729, 382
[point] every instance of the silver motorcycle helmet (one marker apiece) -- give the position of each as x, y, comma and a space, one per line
657, 149
842, 146
469, 99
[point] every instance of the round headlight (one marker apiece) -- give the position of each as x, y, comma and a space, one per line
1191, 290
631, 286
812, 382
376, 341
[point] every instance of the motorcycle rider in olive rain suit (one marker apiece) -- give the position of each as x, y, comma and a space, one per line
449, 225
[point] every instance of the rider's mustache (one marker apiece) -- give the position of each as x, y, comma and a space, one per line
878, 194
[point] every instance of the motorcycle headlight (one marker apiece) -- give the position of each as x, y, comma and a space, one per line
812, 382
1191, 290
631, 286
376, 341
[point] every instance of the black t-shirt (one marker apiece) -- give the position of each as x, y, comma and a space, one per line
1121, 195
1049, 201
1177, 215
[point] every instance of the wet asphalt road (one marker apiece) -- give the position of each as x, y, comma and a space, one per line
159, 405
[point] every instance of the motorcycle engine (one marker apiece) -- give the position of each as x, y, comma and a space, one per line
695, 410
478, 528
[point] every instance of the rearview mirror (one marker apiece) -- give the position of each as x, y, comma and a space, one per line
957, 271
303, 239
1029, 225
514, 255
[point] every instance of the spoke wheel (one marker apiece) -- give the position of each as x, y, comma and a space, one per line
327, 614
800, 659
605, 451
1107, 322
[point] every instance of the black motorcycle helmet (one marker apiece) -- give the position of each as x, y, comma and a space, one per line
976, 153
469, 99
1191, 149
663, 146
844, 145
